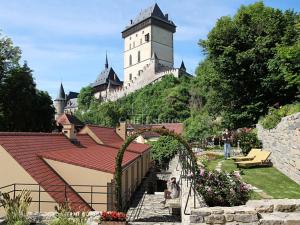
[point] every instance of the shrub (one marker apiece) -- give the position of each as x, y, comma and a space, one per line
221, 189
248, 140
16, 209
113, 216
164, 149
274, 116
65, 216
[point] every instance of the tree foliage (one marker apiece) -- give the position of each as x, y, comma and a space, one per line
166, 100
22, 106
240, 77
164, 149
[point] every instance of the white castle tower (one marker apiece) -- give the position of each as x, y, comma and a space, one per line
151, 33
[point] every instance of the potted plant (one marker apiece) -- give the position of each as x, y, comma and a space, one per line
112, 218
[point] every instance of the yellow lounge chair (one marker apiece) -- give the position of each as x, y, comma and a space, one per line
261, 159
251, 155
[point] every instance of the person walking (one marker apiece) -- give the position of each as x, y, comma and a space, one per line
227, 146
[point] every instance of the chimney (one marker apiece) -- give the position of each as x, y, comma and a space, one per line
121, 130
131, 21
69, 131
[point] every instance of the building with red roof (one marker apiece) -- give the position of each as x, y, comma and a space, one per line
69, 166
150, 136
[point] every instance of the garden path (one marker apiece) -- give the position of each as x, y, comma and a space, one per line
147, 209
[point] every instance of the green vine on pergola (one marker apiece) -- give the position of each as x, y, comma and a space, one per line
119, 158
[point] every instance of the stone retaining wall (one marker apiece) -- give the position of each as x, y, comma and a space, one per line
284, 143
262, 212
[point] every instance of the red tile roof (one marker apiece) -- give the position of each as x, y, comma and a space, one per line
25, 147
69, 119
97, 157
109, 137
85, 140
176, 127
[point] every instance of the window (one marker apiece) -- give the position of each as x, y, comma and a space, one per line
141, 41
133, 44
136, 35
130, 76
129, 46
147, 37
130, 60
139, 56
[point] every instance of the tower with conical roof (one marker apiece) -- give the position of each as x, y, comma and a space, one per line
150, 32
60, 102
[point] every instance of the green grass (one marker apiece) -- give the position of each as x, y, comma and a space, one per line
269, 179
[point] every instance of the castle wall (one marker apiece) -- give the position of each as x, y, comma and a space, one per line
148, 76
132, 45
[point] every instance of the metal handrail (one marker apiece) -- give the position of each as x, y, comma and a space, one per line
14, 188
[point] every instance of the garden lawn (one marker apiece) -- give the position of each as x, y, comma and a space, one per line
268, 179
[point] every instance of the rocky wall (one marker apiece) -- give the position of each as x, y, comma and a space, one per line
284, 144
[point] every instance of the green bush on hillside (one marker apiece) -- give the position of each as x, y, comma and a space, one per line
248, 140
274, 116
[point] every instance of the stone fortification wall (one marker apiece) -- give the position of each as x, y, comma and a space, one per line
147, 76
284, 143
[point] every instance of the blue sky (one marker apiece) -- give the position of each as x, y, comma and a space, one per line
66, 40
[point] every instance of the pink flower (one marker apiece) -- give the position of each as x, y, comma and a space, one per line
202, 172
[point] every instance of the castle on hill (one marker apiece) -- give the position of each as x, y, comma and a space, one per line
148, 56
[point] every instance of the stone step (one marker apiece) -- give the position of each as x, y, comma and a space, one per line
280, 218
154, 223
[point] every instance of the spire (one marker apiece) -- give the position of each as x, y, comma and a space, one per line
182, 66
106, 61
61, 94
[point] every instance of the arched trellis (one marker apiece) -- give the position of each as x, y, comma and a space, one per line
119, 158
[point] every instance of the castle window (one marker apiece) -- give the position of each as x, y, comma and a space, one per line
139, 56
130, 76
129, 46
141, 41
133, 44
136, 35
147, 37
130, 60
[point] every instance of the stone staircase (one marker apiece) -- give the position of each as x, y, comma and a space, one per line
149, 209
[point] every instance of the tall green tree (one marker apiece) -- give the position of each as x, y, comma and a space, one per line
24, 107
238, 81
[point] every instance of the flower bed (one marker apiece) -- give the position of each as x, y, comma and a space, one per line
112, 218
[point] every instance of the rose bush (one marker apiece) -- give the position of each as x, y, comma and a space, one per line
222, 189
